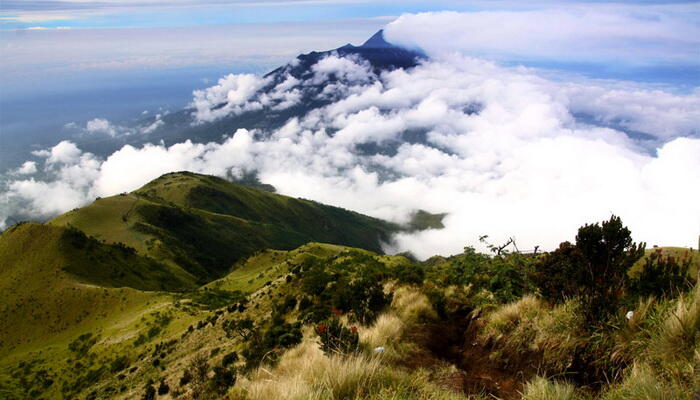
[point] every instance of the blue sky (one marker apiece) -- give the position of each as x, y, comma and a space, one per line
75, 14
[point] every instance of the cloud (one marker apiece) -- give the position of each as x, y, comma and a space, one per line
503, 151
28, 168
64, 152
157, 123
100, 125
44, 28
580, 33
230, 96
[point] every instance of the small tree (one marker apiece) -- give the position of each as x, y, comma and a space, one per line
245, 328
594, 270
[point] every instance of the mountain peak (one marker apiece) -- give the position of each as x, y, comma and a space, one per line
377, 41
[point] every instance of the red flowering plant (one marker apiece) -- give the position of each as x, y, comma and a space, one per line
336, 338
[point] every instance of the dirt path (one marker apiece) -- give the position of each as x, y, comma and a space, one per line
454, 342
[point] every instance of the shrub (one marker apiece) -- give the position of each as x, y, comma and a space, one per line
305, 303
119, 364
504, 274
186, 377
411, 274
267, 344
83, 343
223, 379
244, 328
662, 275
336, 338
351, 284
229, 359
163, 388
150, 393
594, 269
364, 298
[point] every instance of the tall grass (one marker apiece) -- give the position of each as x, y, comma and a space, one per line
662, 341
530, 327
679, 336
641, 383
305, 372
675, 348
408, 307
543, 389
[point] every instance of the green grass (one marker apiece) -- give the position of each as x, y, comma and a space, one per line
52, 282
199, 226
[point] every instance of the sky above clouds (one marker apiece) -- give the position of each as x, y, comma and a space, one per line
537, 118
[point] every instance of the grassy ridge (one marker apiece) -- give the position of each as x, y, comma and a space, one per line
49, 280
199, 226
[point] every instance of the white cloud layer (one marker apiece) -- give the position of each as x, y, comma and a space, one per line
579, 33
499, 149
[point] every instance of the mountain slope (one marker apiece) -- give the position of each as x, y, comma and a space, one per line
201, 225
54, 279
179, 126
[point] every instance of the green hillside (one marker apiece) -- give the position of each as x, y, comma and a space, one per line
201, 225
121, 345
195, 288
54, 280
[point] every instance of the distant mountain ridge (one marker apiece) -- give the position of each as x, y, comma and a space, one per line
381, 54
180, 125
200, 225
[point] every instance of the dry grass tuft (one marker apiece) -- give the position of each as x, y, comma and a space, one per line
411, 305
543, 389
679, 336
408, 307
305, 372
642, 384
530, 325
387, 330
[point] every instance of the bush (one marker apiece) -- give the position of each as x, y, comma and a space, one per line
150, 393
119, 364
594, 269
244, 328
662, 275
411, 274
267, 344
223, 379
163, 388
336, 338
186, 377
229, 359
504, 274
